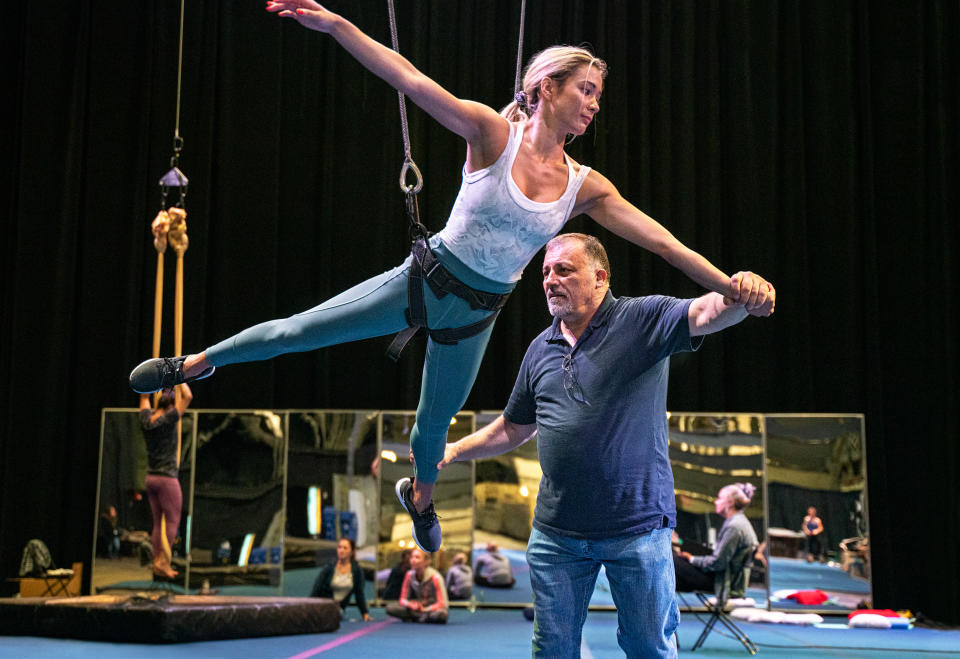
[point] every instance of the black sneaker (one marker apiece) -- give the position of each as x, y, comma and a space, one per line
163, 373
426, 528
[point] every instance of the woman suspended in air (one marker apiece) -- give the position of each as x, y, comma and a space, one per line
519, 189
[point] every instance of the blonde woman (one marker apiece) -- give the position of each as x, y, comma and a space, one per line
519, 189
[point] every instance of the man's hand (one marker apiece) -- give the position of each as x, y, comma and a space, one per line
449, 455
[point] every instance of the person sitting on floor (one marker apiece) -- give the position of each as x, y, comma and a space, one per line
493, 569
423, 597
395, 581
342, 580
460, 578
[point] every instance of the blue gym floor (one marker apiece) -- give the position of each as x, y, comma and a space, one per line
504, 633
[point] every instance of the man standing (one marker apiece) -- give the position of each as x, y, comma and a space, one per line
593, 387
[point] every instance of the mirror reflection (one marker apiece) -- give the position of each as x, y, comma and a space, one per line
236, 539
504, 498
709, 453
816, 496
266, 496
453, 501
332, 493
123, 554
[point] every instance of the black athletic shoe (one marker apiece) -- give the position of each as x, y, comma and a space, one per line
426, 528
163, 373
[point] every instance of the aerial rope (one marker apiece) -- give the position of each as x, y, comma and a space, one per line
425, 268
170, 227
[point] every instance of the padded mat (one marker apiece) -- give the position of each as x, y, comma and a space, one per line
165, 618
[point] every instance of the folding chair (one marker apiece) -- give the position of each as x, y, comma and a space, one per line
731, 583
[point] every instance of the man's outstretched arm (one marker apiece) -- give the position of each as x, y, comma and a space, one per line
712, 312
497, 437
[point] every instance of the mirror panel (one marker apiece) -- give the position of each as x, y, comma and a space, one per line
819, 461
332, 492
504, 498
236, 539
708, 452
122, 552
453, 496
294, 481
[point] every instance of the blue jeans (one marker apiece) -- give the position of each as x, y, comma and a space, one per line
563, 572
376, 308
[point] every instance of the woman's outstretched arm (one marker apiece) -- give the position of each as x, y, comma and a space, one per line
603, 202
475, 122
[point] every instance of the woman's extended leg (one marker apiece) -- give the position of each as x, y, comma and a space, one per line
372, 308
449, 372
448, 375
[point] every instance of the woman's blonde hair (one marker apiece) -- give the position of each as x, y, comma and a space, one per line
738, 494
557, 63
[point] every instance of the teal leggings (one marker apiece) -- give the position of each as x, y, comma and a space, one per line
376, 308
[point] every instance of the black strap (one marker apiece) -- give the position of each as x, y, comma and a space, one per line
425, 266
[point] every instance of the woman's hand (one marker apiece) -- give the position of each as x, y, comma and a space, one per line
754, 292
306, 12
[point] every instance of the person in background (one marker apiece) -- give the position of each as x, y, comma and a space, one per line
423, 597
493, 569
159, 426
736, 532
110, 532
343, 580
460, 578
812, 529
395, 581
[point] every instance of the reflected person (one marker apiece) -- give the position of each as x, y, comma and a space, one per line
159, 426
593, 388
109, 533
493, 569
812, 528
704, 573
395, 581
343, 580
460, 578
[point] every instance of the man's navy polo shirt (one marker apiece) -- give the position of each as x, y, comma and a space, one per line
605, 461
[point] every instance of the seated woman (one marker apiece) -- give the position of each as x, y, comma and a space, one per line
460, 578
736, 534
493, 569
423, 597
343, 579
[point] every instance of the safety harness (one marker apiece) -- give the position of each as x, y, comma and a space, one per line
425, 266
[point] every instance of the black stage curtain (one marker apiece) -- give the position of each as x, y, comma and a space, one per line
813, 142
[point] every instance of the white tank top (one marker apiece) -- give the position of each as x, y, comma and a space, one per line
493, 228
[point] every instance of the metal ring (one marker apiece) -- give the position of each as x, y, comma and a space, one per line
409, 165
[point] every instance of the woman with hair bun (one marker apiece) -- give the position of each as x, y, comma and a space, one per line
736, 533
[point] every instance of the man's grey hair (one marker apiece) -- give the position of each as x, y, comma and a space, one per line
593, 248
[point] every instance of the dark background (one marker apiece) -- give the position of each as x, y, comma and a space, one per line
813, 142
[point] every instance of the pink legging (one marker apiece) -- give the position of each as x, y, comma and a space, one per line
165, 499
